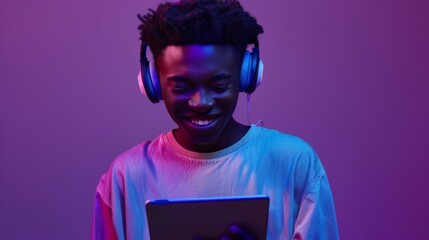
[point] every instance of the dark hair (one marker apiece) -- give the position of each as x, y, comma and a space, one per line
198, 22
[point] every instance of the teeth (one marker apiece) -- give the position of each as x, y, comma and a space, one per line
200, 122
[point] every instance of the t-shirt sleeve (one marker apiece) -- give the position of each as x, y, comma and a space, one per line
316, 217
103, 221
102, 225
115, 195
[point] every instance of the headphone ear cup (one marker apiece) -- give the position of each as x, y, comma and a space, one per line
259, 73
245, 71
251, 71
141, 86
149, 84
156, 83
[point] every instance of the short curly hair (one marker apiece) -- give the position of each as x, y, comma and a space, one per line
198, 22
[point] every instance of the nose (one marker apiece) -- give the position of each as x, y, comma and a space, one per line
201, 101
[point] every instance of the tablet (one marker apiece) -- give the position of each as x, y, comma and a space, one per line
207, 218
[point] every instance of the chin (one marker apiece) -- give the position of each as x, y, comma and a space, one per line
203, 138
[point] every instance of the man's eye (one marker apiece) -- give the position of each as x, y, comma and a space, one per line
180, 89
221, 88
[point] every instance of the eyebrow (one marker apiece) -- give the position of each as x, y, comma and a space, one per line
179, 78
221, 76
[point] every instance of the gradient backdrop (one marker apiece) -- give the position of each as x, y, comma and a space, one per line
350, 77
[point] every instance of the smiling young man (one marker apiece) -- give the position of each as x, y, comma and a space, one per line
200, 66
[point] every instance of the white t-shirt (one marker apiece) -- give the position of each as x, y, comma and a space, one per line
263, 162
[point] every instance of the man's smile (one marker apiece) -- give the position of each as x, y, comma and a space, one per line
202, 121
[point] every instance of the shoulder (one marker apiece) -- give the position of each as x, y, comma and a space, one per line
274, 140
291, 151
120, 166
126, 168
132, 156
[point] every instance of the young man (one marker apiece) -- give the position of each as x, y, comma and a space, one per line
200, 65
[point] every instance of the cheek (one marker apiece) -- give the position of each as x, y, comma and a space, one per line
174, 103
229, 100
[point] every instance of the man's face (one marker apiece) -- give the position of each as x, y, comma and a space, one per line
200, 88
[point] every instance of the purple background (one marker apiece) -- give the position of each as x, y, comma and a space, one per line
350, 77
